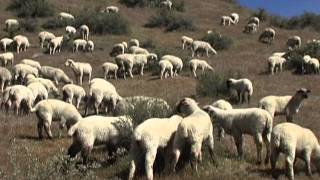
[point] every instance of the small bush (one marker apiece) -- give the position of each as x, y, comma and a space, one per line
218, 41
134, 3
57, 23
148, 44
261, 14
30, 25
32, 8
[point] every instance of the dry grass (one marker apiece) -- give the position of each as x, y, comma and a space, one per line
246, 55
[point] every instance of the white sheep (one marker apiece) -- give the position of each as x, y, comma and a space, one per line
47, 83
5, 42
84, 31
55, 74
134, 42
71, 91
79, 43
293, 42
112, 9
194, 129
110, 67
5, 78
202, 46
235, 17
166, 68
284, 105
148, 137
176, 62
22, 70
186, 42
226, 20
275, 63
6, 57
167, 4
38, 90
194, 64
55, 44
280, 54
267, 35
114, 132
32, 63
19, 94
80, 70
90, 46
138, 50
250, 28
119, 48
254, 20
45, 36
11, 23
71, 30
243, 87
312, 63
21, 42
65, 16
294, 142
49, 110
252, 121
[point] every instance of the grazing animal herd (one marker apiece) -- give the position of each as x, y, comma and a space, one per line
31, 87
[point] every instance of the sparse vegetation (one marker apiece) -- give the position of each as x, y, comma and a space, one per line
32, 8
261, 14
218, 41
55, 23
177, 5
30, 25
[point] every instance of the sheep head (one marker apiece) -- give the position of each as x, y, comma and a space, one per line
303, 92
68, 62
187, 106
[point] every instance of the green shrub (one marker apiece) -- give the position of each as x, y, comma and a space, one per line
30, 25
32, 8
218, 41
55, 23
261, 14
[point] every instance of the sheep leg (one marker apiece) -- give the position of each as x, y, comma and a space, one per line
2, 85
150, 157
85, 152
239, 143
196, 152
306, 158
161, 73
258, 141
210, 142
80, 79
267, 140
289, 165
40, 126
273, 160
141, 71
239, 97
78, 102
48, 130
74, 149
89, 78
177, 144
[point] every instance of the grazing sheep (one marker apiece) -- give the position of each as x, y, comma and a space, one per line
32, 63
80, 69
254, 20
55, 44
310, 64
243, 87
166, 68
38, 90
275, 62
84, 31
186, 42
45, 36
284, 105
138, 50
202, 45
21, 42
267, 35
11, 23
6, 57
5, 78
314, 63
194, 129
65, 16
237, 122
250, 28
79, 43
71, 91
47, 83
22, 70
49, 110
119, 48
134, 42
294, 142
147, 140
226, 19
19, 94
280, 54
112, 9
294, 42
5, 42
195, 63
71, 30
110, 67
90, 46
55, 74
167, 4
235, 17
176, 62
114, 132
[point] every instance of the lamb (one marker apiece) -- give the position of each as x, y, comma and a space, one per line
65, 16
70, 91
250, 28
167, 4
186, 42
112, 9
90, 46
147, 139
119, 48
243, 87
71, 30
176, 62
134, 42
79, 43
19, 94
284, 105
267, 35
21, 42
5, 78
22, 70
48, 84
55, 74
294, 42
254, 20
294, 142
5, 42
55, 110
166, 68
84, 31
80, 69
6, 57
45, 36
202, 45
38, 90
110, 67
313, 63
275, 62
194, 129
235, 17
252, 121
32, 63
195, 63
55, 44
226, 19
11, 23
138, 50
114, 132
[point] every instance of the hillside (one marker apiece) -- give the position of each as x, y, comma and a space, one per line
23, 156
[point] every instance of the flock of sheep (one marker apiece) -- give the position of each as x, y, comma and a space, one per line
28, 85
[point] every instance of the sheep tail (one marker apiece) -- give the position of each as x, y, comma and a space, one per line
268, 125
73, 129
